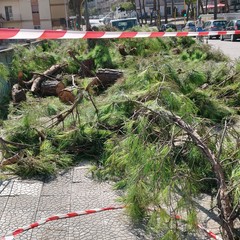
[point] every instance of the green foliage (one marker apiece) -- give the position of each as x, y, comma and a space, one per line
185, 56
152, 160
32, 60
193, 80
102, 57
4, 72
208, 108
185, 42
45, 164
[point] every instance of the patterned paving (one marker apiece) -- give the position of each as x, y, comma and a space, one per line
24, 202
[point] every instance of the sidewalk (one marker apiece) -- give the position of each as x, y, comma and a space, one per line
23, 202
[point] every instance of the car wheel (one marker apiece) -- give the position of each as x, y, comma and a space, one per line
221, 38
233, 38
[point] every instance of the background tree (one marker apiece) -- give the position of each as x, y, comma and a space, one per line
76, 6
153, 13
165, 11
158, 14
140, 11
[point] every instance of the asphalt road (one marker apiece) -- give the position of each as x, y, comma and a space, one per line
231, 49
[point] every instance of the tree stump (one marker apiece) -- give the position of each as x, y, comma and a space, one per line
68, 95
51, 88
18, 94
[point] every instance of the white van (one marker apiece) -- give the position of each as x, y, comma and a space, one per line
124, 23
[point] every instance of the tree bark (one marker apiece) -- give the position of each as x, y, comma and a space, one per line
18, 94
104, 79
51, 88
36, 81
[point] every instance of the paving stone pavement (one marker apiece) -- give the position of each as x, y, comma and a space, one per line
23, 202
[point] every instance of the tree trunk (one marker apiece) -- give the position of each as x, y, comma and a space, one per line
165, 11
158, 14
201, 6
144, 11
51, 88
36, 85
141, 14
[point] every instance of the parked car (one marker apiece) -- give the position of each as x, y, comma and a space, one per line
167, 26
214, 25
125, 23
189, 27
231, 26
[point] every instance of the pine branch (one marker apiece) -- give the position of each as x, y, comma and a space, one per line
224, 201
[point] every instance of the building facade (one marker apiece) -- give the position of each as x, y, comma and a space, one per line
176, 6
33, 14
104, 6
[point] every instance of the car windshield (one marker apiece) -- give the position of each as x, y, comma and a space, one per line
219, 23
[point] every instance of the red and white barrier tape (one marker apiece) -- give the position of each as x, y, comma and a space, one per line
13, 234
210, 233
6, 33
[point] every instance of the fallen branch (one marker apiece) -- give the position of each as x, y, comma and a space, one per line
12, 160
62, 116
20, 145
224, 201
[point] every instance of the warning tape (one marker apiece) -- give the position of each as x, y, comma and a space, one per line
210, 233
13, 234
6, 33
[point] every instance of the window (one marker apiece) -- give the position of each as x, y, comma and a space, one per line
35, 9
169, 10
8, 13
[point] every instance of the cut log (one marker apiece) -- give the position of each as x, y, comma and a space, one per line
18, 94
68, 95
107, 76
104, 79
51, 88
36, 81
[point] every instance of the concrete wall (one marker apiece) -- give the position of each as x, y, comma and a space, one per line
22, 13
45, 14
58, 11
